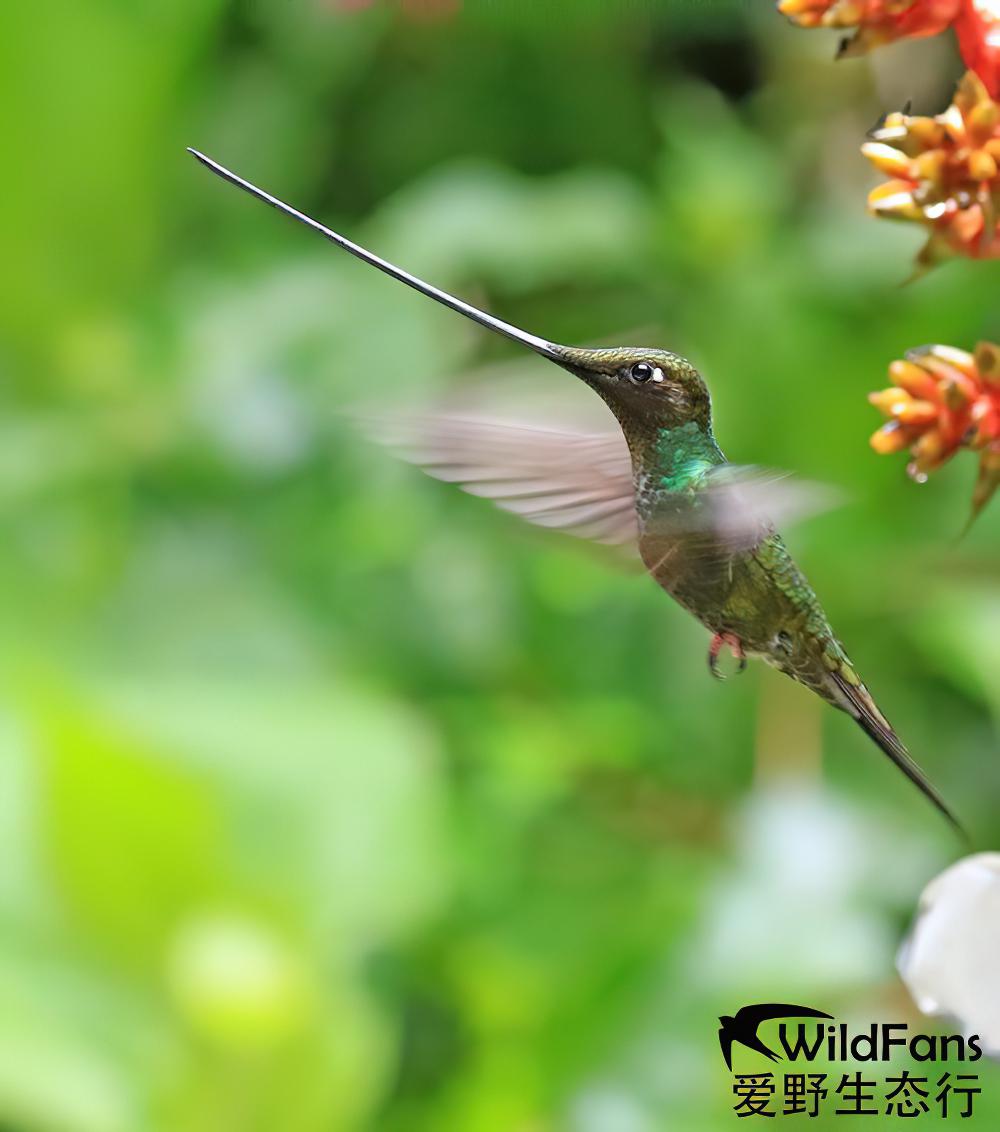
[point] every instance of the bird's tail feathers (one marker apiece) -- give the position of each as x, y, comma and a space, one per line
857, 701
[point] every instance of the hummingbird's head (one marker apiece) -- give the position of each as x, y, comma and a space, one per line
642, 385
646, 389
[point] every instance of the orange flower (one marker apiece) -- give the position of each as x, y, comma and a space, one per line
875, 22
978, 29
942, 400
944, 174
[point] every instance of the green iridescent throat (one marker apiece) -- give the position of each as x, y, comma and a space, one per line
682, 455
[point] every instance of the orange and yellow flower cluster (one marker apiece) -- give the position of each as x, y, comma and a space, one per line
874, 22
877, 22
945, 174
942, 400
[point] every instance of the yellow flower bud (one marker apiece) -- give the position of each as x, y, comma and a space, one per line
929, 133
891, 402
930, 451
982, 120
887, 159
961, 360
916, 413
915, 380
982, 166
955, 372
894, 200
930, 166
890, 438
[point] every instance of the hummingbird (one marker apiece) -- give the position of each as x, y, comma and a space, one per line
661, 483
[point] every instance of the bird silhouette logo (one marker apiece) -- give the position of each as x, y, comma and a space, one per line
743, 1026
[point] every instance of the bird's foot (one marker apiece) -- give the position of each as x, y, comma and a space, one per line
736, 647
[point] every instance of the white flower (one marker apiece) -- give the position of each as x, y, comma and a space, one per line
951, 961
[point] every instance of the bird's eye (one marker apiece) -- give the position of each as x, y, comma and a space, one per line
641, 371
783, 642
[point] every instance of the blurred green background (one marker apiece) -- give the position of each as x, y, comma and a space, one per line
331, 798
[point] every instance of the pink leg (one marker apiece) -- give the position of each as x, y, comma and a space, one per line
734, 644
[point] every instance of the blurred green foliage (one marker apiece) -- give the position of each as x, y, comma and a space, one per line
329, 797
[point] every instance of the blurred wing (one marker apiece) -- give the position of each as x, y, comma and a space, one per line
576, 482
738, 506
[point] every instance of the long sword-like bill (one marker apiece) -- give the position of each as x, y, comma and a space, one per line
539, 345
